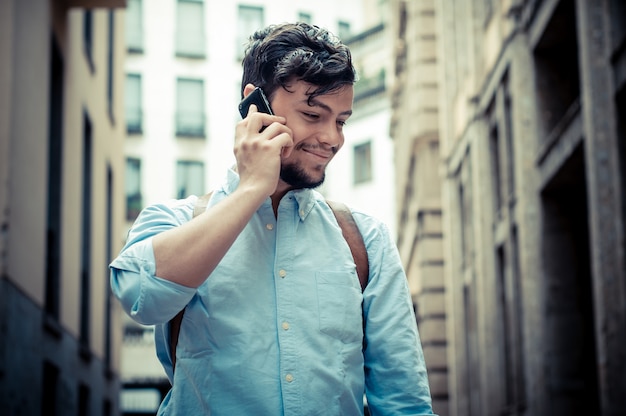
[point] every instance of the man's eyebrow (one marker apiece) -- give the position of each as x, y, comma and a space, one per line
313, 102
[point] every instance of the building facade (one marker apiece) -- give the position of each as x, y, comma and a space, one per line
414, 129
61, 167
531, 169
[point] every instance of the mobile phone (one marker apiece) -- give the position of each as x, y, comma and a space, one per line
258, 98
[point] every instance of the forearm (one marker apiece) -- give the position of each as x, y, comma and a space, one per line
188, 254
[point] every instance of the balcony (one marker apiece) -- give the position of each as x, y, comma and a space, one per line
369, 86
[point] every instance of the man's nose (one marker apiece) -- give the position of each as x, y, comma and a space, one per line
331, 136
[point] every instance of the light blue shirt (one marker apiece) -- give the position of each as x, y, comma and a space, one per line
277, 328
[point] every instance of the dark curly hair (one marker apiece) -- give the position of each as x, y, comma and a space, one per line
280, 54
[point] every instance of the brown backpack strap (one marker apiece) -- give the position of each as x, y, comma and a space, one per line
354, 239
175, 322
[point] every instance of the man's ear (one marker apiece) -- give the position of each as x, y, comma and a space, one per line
248, 89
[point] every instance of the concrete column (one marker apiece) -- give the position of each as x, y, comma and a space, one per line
605, 202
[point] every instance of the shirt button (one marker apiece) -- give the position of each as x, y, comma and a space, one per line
289, 378
302, 213
282, 273
285, 326
269, 227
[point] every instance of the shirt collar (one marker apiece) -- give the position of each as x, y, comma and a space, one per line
305, 198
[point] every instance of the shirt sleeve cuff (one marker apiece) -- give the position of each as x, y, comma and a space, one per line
148, 299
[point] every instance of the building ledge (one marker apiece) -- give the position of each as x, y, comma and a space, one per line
92, 4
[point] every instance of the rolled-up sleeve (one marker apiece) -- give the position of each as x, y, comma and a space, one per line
395, 372
144, 296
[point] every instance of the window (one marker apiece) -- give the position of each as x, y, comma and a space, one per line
190, 29
190, 108
133, 188
85, 285
109, 298
466, 213
88, 36
617, 10
369, 85
343, 30
189, 179
487, 10
110, 64
496, 168
250, 20
55, 181
305, 17
134, 112
49, 389
139, 400
83, 399
134, 26
363, 163
557, 72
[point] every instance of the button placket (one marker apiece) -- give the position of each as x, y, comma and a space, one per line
285, 285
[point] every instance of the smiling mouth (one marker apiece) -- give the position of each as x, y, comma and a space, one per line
319, 151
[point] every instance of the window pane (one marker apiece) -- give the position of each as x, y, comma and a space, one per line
190, 104
344, 30
133, 188
189, 179
305, 17
250, 20
133, 103
363, 162
190, 29
88, 35
140, 400
134, 26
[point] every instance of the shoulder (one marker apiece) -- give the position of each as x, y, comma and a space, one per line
375, 232
166, 213
181, 209
372, 228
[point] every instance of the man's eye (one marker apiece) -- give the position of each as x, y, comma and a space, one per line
310, 115
342, 122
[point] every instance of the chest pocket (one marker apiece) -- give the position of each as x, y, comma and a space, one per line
339, 306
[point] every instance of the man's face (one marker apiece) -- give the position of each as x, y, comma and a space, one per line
317, 131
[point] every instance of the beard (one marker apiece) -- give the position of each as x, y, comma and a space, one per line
296, 177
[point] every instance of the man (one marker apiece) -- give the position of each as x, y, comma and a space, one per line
275, 322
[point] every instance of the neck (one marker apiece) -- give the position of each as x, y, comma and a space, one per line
280, 192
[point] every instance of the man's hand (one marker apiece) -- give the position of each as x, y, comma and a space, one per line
261, 140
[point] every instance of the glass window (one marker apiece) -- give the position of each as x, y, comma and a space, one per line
305, 17
190, 108
133, 110
250, 20
134, 26
190, 28
140, 400
189, 178
363, 162
134, 204
110, 63
88, 37
343, 30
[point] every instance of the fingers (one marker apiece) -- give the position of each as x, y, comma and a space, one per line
258, 121
258, 127
261, 141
